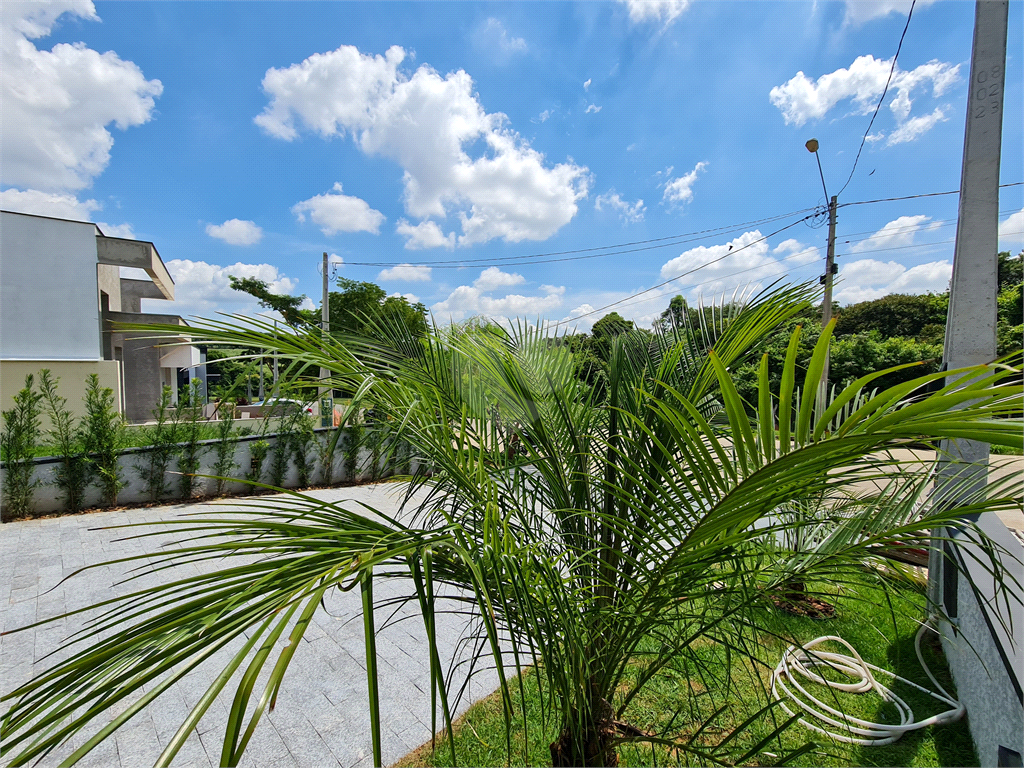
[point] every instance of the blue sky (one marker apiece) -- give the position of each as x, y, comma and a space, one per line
248, 138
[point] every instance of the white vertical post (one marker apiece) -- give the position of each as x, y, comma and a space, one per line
326, 393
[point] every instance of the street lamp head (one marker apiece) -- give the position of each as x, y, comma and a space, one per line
812, 145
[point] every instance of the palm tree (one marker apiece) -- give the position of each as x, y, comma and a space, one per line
592, 530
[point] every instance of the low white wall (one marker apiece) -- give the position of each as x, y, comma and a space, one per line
46, 496
985, 643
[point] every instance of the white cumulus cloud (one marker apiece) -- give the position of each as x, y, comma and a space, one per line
796, 253
721, 269
236, 232
426, 234
1011, 231
58, 104
202, 289
471, 300
427, 123
492, 37
593, 108
861, 11
629, 213
742, 264
406, 272
117, 230
336, 213
897, 233
916, 127
493, 277
868, 279
60, 205
586, 84
801, 99
56, 204
680, 190
665, 11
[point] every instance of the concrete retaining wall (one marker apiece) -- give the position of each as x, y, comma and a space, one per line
984, 644
46, 495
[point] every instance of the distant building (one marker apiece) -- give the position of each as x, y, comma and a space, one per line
60, 290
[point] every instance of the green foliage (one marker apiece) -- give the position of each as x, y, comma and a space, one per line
623, 533
258, 451
104, 437
360, 307
287, 306
863, 353
1011, 305
73, 474
353, 443
163, 439
611, 325
189, 417
895, 315
303, 442
1011, 270
224, 464
18, 442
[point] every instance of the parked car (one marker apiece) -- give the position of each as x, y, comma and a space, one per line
280, 406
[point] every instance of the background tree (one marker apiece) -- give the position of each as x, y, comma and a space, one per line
287, 306
359, 306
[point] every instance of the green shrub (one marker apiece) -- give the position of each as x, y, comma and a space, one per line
18, 443
257, 455
303, 438
163, 439
104, 437
72, 477
225, 465
353, 442
190, 432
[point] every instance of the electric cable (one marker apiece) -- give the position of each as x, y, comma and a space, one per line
915, 197
801, 660
726, 255
784, 272
885, 90
702, 234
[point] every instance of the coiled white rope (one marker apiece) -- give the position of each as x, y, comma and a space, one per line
800, 661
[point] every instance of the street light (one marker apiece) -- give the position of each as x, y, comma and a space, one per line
830, 266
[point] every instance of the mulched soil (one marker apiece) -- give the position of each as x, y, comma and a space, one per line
808, 606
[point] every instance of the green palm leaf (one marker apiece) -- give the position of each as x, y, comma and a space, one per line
589, 531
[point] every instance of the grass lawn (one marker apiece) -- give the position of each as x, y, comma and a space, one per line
710, 676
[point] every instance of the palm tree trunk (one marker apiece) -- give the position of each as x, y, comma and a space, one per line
586, 737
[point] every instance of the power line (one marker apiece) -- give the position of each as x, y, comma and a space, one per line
726, 255
914, 197
739, 272
885, 90
643, 245
509, 260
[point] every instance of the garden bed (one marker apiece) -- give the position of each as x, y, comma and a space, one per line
679, 699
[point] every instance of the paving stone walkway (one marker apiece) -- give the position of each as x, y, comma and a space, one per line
321, 718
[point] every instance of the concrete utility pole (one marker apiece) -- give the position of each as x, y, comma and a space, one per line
830, 263
326, 393
971, 321
830, 268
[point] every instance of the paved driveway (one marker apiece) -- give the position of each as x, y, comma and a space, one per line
321, 717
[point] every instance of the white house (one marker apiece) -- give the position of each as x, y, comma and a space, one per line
60, 290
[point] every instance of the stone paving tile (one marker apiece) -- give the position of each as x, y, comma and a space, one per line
321, 717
